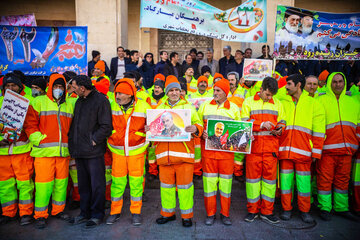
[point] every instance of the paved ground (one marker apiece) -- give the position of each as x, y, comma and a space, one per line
338, 228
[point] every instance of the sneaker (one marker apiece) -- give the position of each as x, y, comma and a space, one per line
306, 217
112, 219
93, 222
136, 219
285, 215
270, 218
186, 222
78, 220
5, 220
40, 223
347, 215
163, 220
251, 217
210, 220
25, 220
225, 220
63, 216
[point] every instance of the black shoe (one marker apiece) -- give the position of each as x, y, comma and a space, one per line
325, 215
112, 219
144, 197
151, 177
93, 222
40, 223
74, 205
285, 215
240, 178
136, 219
25, 220
63, 216
251, 217
78, 220
270, 218
210, 220
347, 215
5, 219
186, 222
306, 217
225, 220
163, 220
107, 204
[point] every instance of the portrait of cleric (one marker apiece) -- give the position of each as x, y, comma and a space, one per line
218, 141
170, 129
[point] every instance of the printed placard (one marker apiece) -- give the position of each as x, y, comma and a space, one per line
257, 69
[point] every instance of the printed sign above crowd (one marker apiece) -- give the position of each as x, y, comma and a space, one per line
26, 20
257, 69
43, 50
244, 23
304, 34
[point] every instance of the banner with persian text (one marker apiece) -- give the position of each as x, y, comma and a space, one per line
244, 23
305, 34
43, 50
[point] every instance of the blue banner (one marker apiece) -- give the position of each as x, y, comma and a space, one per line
244, 23
43, 50
304, 34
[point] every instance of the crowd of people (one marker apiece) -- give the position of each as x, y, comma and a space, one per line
84, 138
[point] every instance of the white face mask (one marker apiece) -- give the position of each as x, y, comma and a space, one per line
57, 93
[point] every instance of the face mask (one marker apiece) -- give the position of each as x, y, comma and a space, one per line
35, 92
57, 93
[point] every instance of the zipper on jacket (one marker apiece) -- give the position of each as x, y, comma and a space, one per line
292, 129
126, 140
342, 130
58, 118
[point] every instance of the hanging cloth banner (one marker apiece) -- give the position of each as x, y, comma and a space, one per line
26, 20
303, 34
244, 23
43, 50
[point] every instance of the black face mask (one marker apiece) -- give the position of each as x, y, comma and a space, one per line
157, 97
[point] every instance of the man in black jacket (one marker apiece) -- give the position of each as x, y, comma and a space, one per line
90, 128
173, 67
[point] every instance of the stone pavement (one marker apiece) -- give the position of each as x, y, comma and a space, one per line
338, 228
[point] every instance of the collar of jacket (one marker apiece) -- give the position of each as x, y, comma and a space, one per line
181, 101
257, 97
226, 103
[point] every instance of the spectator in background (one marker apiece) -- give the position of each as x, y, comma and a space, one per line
237, 65
281, 68
210, 61
189, 61
117, 66
173, 67
147, 70
200, 56
135, 61
159, 68
309, 67
265, 50
95, 58
248, 53
226, 60
193, 52
127, 53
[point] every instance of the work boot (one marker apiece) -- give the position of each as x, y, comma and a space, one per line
285, 215
112, 219
225, 220
306, 217
78, 220
40, 223
325, 215
136, 219
63, 216
74, 205
186, 222
107, 204
163, 220
5, 219
25, 220
347, 215
210, 220
93, 222
251, 217
271, 218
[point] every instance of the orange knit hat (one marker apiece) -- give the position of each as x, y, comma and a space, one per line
159, 76
202, 79
323, 75
171, 82
125, 86
218, 75
224, 85
100, 65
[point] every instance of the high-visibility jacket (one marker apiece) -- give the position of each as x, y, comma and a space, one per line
237, 97
248, 92
192, 86
210, 82
128, 137
178, 152
154, 104
47, 123
142, 94
211, 110
257, 111
342, 121
196, 94
304, 134
23, 144
102, 84
321, 90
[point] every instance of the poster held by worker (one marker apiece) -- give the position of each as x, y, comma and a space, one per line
168, 125
257, 69
229, 136
12, 115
